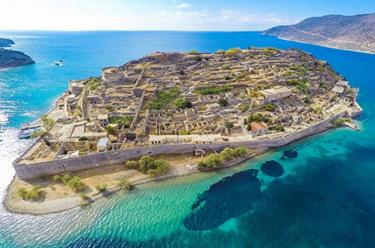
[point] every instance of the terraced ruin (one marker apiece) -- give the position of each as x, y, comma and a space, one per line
225, 97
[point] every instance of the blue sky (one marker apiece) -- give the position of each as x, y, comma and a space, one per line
192, 15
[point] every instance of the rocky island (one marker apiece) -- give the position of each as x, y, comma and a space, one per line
172, 114
337, 31
10, 58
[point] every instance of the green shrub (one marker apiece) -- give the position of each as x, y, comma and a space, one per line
150, 166
232, 51
56, 178
160, 167
124, 121
66, 178
76, 184
216, 160
164, 98
182, 103
83, 138
35, 194
229, 125
101, 188
223, 102
270, 107
244, 107
197, 58
132, 165
278, 128
84, 197
111, 130
257, 117
93, 84
213, 90
125, 185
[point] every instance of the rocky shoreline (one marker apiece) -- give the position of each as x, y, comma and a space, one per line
10, 58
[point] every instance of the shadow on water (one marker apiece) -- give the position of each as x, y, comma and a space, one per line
228, 198
290, 153
328, 202
272, 168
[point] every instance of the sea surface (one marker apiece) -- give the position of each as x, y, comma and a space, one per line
323, 197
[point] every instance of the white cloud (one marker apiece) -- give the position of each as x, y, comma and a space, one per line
183, 5
68, 15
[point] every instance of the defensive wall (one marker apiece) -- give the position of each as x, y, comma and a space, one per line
29, 171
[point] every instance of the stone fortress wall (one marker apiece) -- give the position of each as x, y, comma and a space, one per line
29, 171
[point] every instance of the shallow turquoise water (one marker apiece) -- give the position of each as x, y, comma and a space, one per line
325, 198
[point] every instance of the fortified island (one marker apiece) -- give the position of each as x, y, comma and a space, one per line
170, 114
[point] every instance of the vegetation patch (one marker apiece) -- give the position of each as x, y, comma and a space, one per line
73, 182
164, 98
125, 185
101, 188
213, 90
34, 194
301, 85
270, 107
340, 121
232, 51
93, 84
182, 103
216, 160
121, 121
149, 165
256, 117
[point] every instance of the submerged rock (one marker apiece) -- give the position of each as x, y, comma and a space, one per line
228, 198
272, 168
291, 153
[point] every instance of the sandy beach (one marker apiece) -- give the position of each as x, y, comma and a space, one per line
59, 198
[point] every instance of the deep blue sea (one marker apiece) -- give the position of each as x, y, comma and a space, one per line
325, 197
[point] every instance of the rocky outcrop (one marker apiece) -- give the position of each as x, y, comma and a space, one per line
10, 58
338, 31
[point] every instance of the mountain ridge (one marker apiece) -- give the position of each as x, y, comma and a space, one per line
355, 32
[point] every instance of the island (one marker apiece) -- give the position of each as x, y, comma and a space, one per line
10, 58
337, 31
174, 114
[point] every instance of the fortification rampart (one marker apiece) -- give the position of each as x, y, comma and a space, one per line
29, 171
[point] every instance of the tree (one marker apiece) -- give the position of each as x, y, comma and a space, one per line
101, 188
125, 185
76, 184
35, 194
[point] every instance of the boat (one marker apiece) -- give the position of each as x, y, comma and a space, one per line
27, 130
59, 63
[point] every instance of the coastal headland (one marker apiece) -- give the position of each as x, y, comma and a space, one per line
173, 114
353, 33
10, 58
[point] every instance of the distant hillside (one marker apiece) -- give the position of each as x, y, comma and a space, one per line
344, 32
6, 42
10, 58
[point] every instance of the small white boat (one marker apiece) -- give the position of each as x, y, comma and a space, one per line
26, 131
59, 63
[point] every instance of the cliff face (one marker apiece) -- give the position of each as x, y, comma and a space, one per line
344, 32
10, 58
